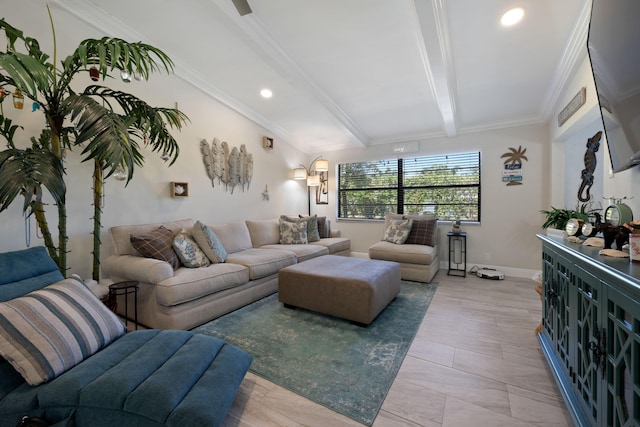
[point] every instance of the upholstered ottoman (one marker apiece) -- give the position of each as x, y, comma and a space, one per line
355, 289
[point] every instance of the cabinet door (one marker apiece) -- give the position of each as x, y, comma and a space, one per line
589, 354
564, 277
623, 358
549, 295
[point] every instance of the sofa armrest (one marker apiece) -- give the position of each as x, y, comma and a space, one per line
131, 267
336, 233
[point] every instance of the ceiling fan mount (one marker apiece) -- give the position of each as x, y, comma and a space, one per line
242, 6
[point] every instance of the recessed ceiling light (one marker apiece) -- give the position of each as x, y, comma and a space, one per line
512, 16
266, 93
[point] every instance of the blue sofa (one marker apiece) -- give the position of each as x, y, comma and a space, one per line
143, 378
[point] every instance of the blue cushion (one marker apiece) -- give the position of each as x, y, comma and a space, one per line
27, 270
151, 377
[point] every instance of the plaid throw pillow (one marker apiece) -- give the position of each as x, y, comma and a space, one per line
324, 229
422, 232
157, 244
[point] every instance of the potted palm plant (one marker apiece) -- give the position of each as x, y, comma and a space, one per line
108, 125
556, 218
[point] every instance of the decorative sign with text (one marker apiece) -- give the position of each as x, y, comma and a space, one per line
512, 172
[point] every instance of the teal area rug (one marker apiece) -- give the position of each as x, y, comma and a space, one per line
331, 361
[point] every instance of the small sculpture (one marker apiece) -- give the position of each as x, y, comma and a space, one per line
617, 234
593, 144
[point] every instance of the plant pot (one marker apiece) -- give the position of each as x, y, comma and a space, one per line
554, 232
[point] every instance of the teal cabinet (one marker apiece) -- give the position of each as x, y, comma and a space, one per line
591, 332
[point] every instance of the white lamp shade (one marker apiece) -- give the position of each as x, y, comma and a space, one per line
299, 173
313, 181
322, 165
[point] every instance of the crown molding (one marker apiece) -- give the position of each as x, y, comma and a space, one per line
573, 54
99, 19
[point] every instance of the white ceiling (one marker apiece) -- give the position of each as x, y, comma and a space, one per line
356, 73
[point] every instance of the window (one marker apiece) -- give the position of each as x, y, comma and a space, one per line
446, 185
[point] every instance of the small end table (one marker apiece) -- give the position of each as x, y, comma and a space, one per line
457, 254
125, 288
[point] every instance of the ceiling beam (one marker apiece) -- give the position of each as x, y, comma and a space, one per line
286, 65
432, 36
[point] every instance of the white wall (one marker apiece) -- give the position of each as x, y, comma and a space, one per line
569, 145
510, 215
147, 197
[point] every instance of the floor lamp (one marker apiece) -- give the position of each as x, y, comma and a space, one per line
311, 174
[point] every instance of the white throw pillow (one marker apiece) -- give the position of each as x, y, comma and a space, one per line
188, 250
398, 230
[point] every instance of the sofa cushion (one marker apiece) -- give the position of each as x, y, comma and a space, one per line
190, 254
397, 231
335, 244
120, 235
264, 232
234, 236
49, 331
157, 244
293, 232
209, 242
303, 252
411, 254
423, 232
150, 377
188, 284
263, 262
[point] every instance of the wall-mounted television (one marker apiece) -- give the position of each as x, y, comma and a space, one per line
614, 51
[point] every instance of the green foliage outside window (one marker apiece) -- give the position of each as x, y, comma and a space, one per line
445, 185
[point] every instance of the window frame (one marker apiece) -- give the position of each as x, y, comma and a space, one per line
465, 160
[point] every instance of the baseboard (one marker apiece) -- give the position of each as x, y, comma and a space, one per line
522, 273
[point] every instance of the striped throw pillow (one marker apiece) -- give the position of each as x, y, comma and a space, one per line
49, 331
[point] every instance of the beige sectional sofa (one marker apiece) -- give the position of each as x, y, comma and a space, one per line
418, 262
187, 297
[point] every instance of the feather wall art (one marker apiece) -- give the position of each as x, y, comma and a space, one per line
231, 167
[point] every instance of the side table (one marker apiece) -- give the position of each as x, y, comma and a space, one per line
125, 288
457, 254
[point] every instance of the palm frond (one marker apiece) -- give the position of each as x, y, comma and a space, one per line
26, 172
104, 132
108, 54
145, 121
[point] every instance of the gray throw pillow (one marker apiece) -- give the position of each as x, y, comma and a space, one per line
313, 228
209, 243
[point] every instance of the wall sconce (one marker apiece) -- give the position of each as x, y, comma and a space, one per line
311, 174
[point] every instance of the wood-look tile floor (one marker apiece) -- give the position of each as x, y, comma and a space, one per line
475, 361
